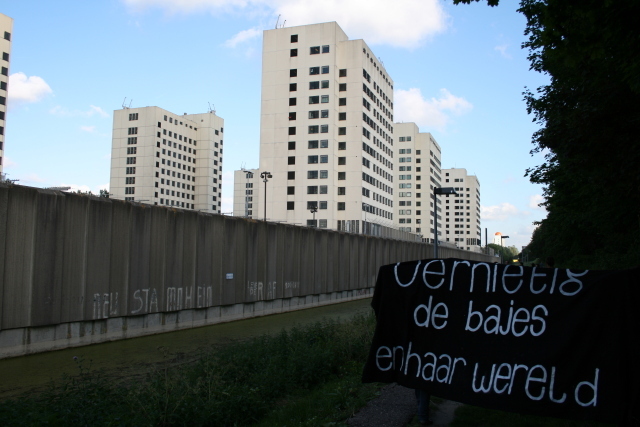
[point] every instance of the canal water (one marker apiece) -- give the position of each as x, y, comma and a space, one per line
135, 356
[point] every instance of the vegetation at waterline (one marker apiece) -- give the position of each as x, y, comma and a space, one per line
305, 376
589, 117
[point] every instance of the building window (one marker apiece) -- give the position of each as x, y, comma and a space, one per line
294, 38
323, 189
324, 84
314, 85
292, 101
325, 69
291, 190
131, 170
342, 191
292, 145
342, 160
132, 150
133, 131
340, 206
314, 70
291, 160
324, 114
314, 50
313, 129
312, 159
324, 99
314, 99
291, 175
312, 205
293, 52
314, 114
131, 160
292, 115
342, 176
342, 116
324, 143
293, 87
133, 116
342, 145
342, 87
343, 72
342, 131
293, 72
312, 174
292, 130
313, 144
325, 48
132, 140
342, 101
324, 158
7, 35
290, 206
324, 128
324, 174
129, 190
312, 189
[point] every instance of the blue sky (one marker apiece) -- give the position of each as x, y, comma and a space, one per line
459, 73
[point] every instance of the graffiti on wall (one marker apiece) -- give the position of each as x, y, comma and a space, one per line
105, 305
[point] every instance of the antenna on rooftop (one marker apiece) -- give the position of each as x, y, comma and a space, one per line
285, 21
124, 103
130, 103
277, 22
212, 110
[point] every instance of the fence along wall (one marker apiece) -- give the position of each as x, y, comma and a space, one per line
76, 270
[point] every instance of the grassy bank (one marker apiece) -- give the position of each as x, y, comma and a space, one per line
305, 376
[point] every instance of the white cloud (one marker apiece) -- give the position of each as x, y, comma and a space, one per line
375, 21
535, 200
503, 50
25, 90
500, 212
89, 129
74, 187
411, 106
64, 112
8, 163
242, 37
31, 179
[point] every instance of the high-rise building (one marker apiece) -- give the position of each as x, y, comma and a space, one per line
326, 129
6, 28
161, 158
462, 211
246, 193
417, 172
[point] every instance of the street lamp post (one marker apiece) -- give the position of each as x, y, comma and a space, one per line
265, 177
436, 191
502, 248
313, 210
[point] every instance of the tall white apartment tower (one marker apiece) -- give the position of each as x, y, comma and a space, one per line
417, 172
161, 158
246, 193
462, 211
326, 129
6, 28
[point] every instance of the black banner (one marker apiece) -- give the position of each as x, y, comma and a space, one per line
553, 342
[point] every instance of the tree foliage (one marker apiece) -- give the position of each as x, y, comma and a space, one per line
589, 117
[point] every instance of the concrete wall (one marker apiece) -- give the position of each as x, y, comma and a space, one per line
76, 270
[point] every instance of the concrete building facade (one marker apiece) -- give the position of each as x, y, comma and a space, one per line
161, 158
326, 129
462, 211
6, 29
247, 193
417, 172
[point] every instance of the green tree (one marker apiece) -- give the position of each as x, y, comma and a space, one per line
104, 193
589, 117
